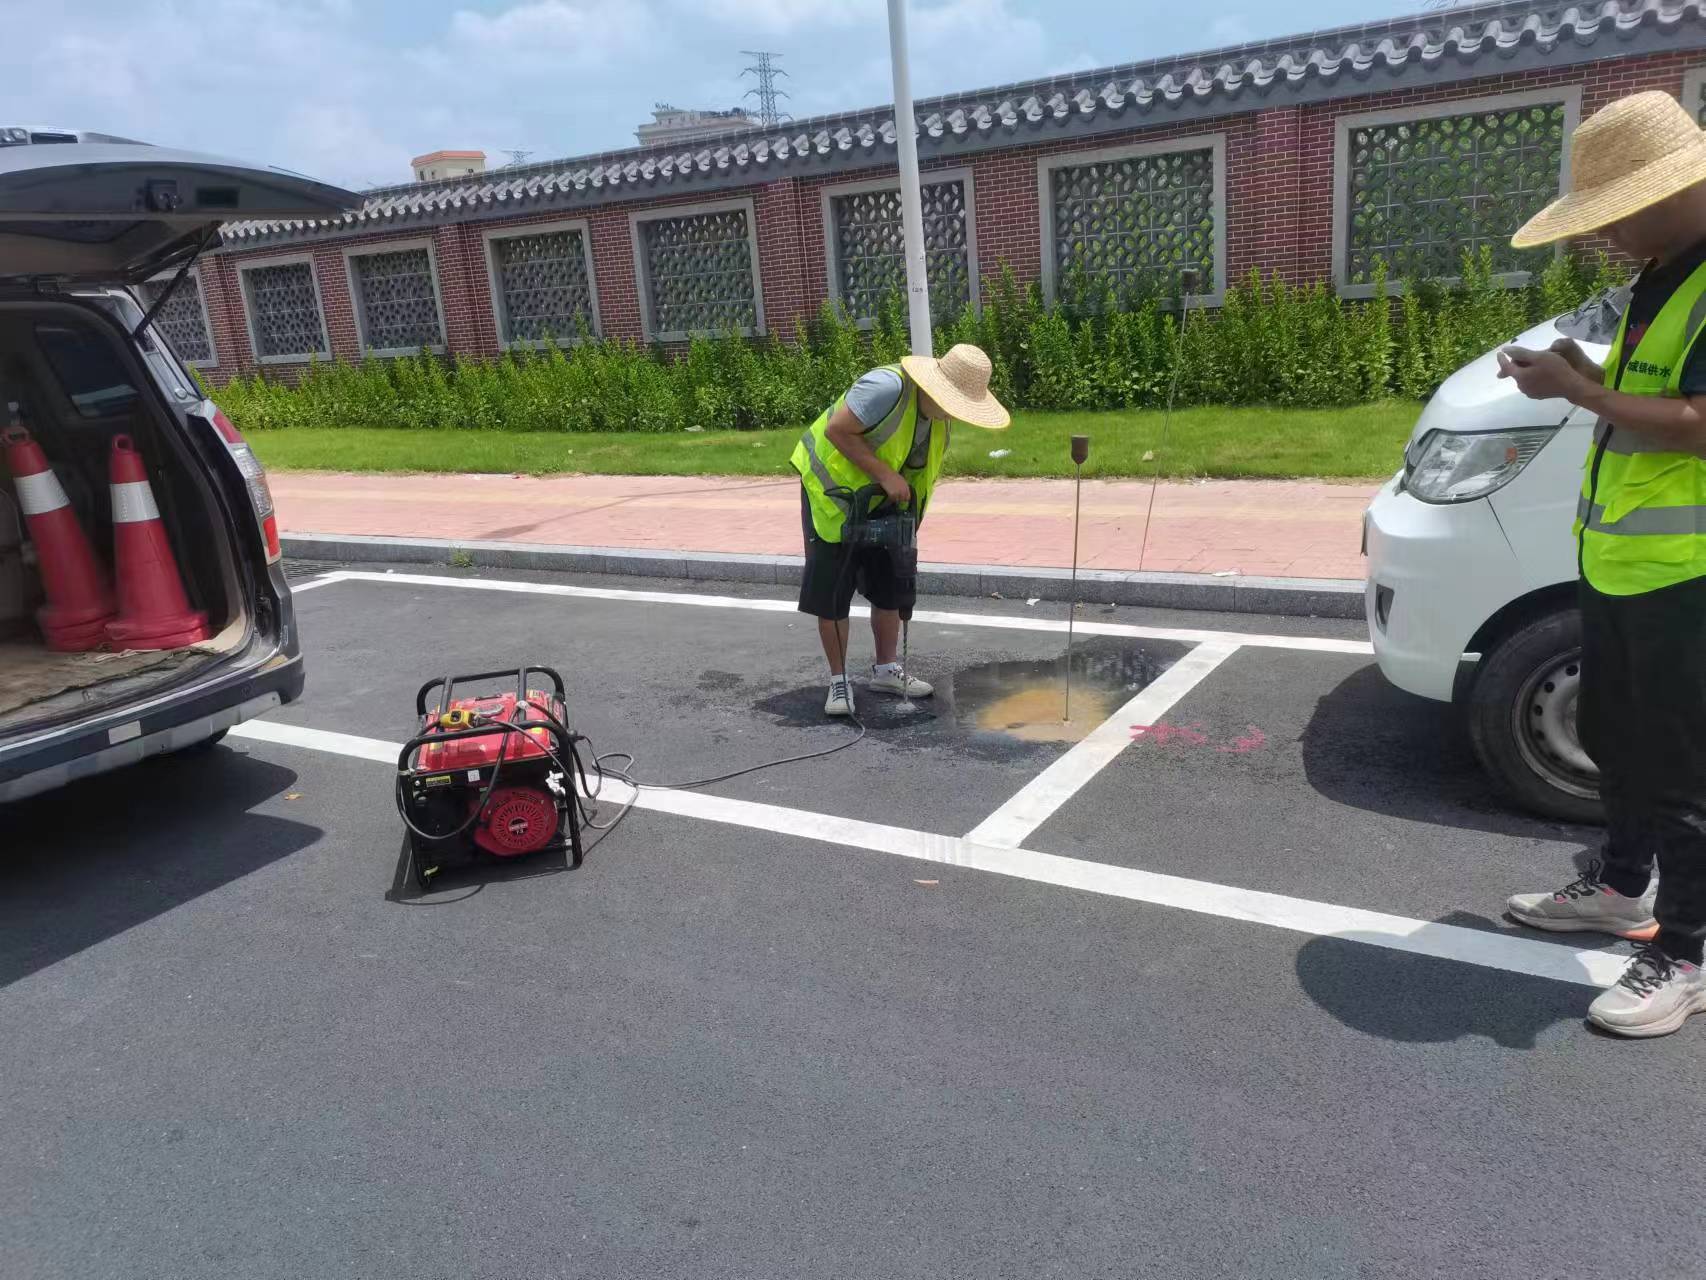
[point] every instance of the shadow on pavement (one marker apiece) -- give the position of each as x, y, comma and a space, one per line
1377, 748
89, 861
1423, 1000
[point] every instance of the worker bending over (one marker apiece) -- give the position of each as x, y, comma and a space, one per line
889, 429
1638, 168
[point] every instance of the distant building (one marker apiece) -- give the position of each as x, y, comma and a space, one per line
684, 124
448, 164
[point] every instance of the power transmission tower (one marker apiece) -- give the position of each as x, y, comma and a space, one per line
516, 156
765, 68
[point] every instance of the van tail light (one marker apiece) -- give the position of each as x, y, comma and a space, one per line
254, 476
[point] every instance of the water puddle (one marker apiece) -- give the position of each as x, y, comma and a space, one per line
1027, 700
1001, 709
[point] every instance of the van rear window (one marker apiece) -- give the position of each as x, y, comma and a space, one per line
88, 370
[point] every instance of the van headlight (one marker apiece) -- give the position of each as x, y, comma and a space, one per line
1460, 468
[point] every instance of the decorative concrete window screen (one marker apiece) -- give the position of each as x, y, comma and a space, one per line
1133, 222
1694, 93
870, 248
181, 320
543, 289
397, 300
284, 311
699, 276
1419, 193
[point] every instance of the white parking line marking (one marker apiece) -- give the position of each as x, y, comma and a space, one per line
1034, 803
324, 580
1186, 635
1504, 951
337, 744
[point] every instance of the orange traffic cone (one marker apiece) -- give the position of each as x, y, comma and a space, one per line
153, 612
79, 595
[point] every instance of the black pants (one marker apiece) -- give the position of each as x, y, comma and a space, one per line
1642, 718
833, 571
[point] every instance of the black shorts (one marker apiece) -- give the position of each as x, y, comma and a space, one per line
833, 572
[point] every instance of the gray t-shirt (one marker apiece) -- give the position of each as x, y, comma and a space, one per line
874, 396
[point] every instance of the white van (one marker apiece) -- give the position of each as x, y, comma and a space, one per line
1472, 568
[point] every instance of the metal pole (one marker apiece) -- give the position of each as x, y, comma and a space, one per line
1080, 451
911, 203
1188, 283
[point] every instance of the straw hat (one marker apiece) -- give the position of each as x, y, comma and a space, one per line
1626, 157
959, 384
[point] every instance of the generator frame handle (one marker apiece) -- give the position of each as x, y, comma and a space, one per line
563, 743
521, 674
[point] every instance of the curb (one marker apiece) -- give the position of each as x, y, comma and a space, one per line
1293, 597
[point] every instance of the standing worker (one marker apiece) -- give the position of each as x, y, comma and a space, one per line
890, 429
1638, 168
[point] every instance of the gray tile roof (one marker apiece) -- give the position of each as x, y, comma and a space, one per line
1456, 44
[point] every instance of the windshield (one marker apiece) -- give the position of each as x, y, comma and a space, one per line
88, 370
1596, 320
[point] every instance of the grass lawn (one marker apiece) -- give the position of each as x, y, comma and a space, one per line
1356, 443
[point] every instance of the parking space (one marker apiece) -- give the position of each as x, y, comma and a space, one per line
694, 691
1176, 1007
1307, 774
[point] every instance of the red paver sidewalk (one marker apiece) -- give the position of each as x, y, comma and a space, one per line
1279, 528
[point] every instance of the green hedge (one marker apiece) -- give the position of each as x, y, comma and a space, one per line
1270, 343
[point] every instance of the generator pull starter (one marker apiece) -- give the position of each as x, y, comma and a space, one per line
490, 776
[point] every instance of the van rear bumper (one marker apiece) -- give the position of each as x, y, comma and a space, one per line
175, 722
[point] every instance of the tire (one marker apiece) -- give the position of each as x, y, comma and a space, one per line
1522, 720
204, 746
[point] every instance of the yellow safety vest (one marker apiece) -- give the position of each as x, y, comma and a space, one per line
1641, 519
912, 446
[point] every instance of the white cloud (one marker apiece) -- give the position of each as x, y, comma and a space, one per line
314, 86
1080, 61
963, 44
1232, 28
546, 33
781, 17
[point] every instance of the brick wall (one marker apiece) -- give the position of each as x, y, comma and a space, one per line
1279, 206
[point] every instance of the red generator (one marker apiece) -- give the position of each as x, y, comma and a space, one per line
489, 776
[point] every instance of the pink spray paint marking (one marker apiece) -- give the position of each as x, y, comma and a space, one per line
1190, 735
1194, 735
1253, 740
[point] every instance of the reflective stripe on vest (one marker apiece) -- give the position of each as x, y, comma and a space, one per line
820, 471
40, 493
1624, 442
883, 432
1640, 522
133, 503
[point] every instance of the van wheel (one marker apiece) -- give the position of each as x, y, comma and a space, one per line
1522, 720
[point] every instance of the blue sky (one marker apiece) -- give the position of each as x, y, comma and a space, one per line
348, 90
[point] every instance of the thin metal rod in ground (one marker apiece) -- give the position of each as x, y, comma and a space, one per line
1072, 603
906, 703
1167, 417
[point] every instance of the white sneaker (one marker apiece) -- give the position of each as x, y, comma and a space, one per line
1654, 996
840, 700
1587, 904
888, 678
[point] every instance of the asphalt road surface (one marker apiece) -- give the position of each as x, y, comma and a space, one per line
978, 997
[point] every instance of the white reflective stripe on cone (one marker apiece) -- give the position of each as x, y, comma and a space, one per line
40, 493
133, 503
